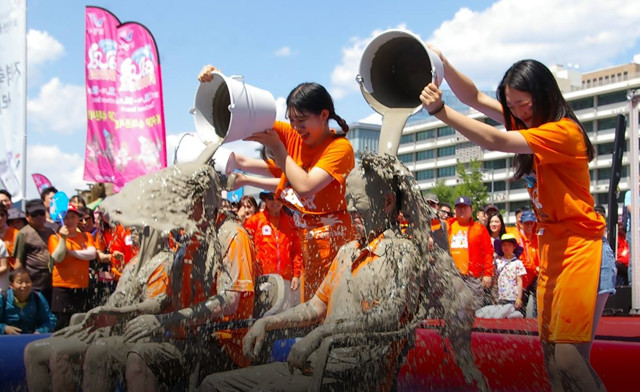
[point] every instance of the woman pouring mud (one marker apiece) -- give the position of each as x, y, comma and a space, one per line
308, 169
552, 155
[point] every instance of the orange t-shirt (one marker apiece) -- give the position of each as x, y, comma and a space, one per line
334, 155
71, 272
569, 233
9, 239
459, 246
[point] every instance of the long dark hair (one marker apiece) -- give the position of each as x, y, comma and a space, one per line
548, 103
503, 230
313, 98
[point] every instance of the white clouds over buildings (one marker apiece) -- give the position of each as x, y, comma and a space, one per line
483, 44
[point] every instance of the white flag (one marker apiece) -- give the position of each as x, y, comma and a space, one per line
13, 67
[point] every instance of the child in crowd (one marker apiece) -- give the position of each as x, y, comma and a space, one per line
23, 310
509, 270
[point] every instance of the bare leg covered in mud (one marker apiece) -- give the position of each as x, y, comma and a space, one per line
568, 365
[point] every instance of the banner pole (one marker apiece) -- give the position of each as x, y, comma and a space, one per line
24, 117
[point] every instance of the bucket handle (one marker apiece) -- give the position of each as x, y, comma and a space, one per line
240, 79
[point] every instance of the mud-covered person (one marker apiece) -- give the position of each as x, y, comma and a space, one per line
175, 350
56, 363
371, 286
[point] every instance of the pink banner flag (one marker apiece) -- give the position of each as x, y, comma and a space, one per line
41, 182
125, 116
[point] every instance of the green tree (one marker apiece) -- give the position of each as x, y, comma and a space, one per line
470, 185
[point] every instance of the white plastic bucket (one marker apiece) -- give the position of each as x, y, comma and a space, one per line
395, 67
229, 109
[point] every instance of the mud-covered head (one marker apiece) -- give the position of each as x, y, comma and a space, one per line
379, 188
183, 196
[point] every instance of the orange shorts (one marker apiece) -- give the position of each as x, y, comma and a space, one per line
567, 286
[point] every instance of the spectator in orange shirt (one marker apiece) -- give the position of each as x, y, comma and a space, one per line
277, 246
471, 249
70, 251
308, 171
553, 152
16, 218
528, 239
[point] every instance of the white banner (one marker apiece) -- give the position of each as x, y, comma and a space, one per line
13, 67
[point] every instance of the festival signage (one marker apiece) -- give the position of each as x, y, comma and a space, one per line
13, 49
125, 116
41, 182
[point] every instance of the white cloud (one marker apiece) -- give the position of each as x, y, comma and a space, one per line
64, 170
636, 58
58, 107
284, 51
484, 44
343, 77
373, 118
41, 48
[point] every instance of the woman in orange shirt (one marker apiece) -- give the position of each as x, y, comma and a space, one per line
308, 169
552, 155
70, 251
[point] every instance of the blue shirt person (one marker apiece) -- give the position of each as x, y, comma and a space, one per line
23, 310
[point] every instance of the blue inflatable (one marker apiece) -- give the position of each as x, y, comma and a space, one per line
12, 372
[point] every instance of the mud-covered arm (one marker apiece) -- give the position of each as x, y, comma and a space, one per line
305, 314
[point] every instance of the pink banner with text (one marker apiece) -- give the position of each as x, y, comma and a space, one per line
125, 116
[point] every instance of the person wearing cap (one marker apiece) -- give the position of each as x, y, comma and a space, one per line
16, 218
491, 209
277, 246
439, 226
529, 241
71, 250
31, 250
510, 270
470, 246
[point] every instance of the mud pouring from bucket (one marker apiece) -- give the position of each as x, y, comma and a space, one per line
395, 66
228, 109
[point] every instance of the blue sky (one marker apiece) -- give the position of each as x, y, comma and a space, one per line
278, 44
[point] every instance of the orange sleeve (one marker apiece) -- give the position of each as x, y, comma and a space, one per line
338, 159
487, 252
556, 142
53, 243
284, 131
89, 240
241, 258
326, 287
157, 283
